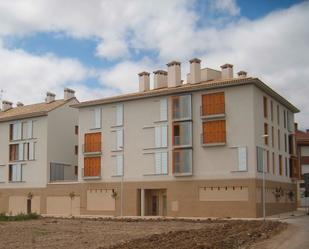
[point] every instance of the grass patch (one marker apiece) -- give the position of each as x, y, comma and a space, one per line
19, 217
39, 231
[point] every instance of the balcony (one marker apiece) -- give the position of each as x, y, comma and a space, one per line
182, 134
92, 148
181, 108
182, 162
62, 173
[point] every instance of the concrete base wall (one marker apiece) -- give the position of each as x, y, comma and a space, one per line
209, 198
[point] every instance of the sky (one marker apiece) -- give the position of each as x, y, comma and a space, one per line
97, 47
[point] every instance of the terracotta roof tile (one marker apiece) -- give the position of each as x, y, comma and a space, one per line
33, 110
213, 84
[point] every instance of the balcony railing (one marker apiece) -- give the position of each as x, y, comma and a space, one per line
62, 173
182, 162
92, 148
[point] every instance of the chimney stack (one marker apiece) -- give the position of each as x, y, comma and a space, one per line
160, 79
144, 81
174, 74
50, 97
296, 126
227, 71
242, 74
19, 104
195, 70
68, 94
6, 105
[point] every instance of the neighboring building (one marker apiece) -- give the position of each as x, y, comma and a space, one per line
195, 149
302, 165
37, 147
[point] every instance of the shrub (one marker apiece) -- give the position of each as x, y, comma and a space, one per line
19, 217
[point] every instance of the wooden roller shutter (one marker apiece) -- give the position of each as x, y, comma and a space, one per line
92, 166
213, 104
93, 142
214, 132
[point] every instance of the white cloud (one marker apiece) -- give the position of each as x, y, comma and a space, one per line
225, 6
274, 48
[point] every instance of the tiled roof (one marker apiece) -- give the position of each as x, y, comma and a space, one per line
34, 110
190, 88
301, 136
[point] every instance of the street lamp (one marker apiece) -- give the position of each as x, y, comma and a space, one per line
264, 201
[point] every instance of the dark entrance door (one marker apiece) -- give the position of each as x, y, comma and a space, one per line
28, 206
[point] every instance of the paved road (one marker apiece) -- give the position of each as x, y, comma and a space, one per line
295, 237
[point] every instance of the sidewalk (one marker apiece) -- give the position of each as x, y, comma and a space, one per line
295, 237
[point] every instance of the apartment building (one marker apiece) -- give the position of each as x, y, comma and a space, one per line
37, 148
194, 149
302, 164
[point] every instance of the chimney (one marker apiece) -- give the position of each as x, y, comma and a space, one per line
160, 79
68, 93
242, 74
296, 126
195, 70
6, 105
19, 104
144, 81
173, 74
227, 71
50, 97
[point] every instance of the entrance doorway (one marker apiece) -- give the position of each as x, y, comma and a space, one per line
28, 206
155, 202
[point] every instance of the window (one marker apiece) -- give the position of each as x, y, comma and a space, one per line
260, 159
119, 115
182, 161
272, 137
92, 142
273, 163
76, 170
119, 139
15, 172
181, 107
182, 134
161, 162
285, 143
119, 165
278, 115
76, 129
267, 161
76, 149
213, 104
214, 132
163, 109
266, 133
16, 131
280, 165
31, 151
286, 167
92, 166
97, 118
279, 141
271, 110
16, 152
265, 107
290, 121
242, 159
2, 173
161, 136
284, 118
29, 129
291, 144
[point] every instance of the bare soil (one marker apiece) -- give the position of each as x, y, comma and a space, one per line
50, 233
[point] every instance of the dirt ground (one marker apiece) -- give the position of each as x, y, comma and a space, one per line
50, 233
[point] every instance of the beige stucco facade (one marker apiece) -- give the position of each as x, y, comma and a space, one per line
223, 181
